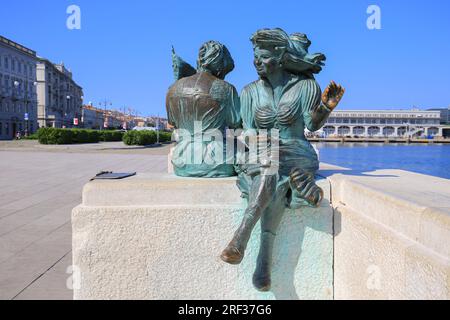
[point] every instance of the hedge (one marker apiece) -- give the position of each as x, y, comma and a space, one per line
74, 136
33, 136
165, 136
145, 137
140, 138
54, 136
107, 135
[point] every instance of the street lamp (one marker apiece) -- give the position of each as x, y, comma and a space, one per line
67, 109
15, 98
105, 103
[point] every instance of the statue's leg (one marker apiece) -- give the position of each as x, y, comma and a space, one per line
261, 194
270, 222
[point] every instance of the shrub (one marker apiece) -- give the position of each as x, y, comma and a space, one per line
93, 136
128, 138
140, 138
107, 135
80, 136
165, 137
66, 136
33, 136
60, 136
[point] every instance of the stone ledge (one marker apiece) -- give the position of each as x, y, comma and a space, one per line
164, 241
160, 189
373, 262
414, 205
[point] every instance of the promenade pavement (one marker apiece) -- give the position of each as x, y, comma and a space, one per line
39, 187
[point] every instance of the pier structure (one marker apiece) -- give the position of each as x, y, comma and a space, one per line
385, 123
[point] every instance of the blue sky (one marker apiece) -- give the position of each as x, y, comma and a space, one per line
123, 50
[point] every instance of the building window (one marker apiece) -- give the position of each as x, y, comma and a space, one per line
7, 128
1, 129
6, 63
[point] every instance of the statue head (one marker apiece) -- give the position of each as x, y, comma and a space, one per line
215, 58
275, 50
269, 46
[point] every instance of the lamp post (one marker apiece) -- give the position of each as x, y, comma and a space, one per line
67, 109
16, 88
105, 103
157, 129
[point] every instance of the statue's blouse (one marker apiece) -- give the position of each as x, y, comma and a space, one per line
299, 107
202, 103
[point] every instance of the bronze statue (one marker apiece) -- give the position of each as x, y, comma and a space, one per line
286, 98
202, 98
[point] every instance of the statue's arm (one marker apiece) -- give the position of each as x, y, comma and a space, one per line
233, 109
247, 113
315, 112
319, 105
170, 118
316, 118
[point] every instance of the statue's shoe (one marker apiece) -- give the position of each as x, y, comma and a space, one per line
262, 283
306, 186
232, 255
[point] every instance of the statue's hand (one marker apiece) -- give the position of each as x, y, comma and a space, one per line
332, 95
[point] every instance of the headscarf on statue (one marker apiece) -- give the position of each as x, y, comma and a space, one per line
214, 58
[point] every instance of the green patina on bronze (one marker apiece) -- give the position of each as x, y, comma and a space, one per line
286, 100
204, 97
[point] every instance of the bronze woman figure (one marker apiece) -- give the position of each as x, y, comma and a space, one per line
288, 99
203, 96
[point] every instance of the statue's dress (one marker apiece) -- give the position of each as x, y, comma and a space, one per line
299, 107
214, 105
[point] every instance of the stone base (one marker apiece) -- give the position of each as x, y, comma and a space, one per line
160, 237
392, 236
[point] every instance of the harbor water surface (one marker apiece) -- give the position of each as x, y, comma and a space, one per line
430, 159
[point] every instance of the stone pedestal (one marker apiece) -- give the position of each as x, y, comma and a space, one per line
160, 237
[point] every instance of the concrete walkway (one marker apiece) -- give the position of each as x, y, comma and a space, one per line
38, 189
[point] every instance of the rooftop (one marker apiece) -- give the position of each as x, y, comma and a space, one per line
17, 46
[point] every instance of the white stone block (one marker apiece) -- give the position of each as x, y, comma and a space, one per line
160, 237
392, 235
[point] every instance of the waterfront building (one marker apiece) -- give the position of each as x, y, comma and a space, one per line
113, 119
18, 101
92, 118
60, 98
384, 123
157, 122
445, 114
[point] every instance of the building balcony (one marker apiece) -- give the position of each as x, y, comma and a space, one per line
17, 95
5, 92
